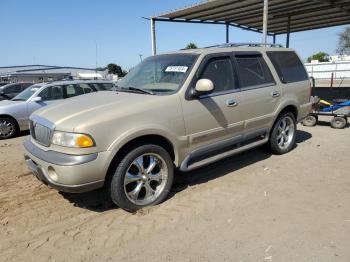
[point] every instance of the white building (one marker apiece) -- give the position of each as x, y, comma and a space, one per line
334, 73
44, 73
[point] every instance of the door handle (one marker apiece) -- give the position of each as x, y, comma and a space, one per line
275, 94
231, 103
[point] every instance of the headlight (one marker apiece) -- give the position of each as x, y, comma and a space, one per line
72, 139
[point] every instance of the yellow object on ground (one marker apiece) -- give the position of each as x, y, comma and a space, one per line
325, 102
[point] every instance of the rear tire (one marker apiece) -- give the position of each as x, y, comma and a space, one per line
310, 120
8, 128
142, 178
338, 122
282, 136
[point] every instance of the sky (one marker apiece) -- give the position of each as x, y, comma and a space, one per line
66, 32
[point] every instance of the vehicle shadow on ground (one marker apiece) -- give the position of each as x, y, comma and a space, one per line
221, 168
98, 201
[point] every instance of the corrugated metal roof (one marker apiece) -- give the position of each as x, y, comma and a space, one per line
247, 14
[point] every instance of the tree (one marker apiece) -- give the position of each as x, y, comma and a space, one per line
116, 70
344, 42
320, 56
191, 46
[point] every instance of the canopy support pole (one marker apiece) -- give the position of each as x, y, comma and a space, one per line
265, 21
153, 32
227, 33
288, 32
274, 38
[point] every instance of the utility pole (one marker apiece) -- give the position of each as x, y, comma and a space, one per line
265, 21
140, 55
96, 61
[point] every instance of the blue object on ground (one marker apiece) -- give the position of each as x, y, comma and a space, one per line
335, 107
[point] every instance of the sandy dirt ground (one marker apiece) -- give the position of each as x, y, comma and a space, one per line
252, 207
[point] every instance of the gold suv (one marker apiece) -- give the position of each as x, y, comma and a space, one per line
181, 110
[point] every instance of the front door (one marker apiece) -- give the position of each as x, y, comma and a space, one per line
48, 96
214, 117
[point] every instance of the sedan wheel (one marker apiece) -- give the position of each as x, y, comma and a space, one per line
7, 128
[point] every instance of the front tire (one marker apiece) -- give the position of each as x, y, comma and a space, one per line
282, 136
8, 128
142, 178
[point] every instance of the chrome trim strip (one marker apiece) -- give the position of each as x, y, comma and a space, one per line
57, 158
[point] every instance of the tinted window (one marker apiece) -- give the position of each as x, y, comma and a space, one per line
73, 90
86, 88
253, 71
100, 86
52, 93
25, 85
13, 89
220, 72
107, 86
288, 66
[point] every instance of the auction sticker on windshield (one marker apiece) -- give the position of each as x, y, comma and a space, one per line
178, 69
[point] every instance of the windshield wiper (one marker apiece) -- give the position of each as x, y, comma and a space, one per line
140, 90
131, 88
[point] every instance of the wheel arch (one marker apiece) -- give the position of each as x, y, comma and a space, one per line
154, 139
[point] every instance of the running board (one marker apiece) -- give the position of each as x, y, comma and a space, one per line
188, 166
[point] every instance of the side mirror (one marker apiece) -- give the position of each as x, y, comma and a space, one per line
204, 86
37, 99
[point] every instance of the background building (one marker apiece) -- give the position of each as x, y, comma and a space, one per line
335, 73
44, 73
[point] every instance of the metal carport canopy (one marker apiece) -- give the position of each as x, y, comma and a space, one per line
281, 16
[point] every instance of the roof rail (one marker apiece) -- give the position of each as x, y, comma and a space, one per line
246, 44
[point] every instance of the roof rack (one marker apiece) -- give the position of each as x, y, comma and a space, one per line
246, 44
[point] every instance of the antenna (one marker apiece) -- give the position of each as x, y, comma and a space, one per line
96, 62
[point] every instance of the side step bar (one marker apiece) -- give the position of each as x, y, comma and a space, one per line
234, 146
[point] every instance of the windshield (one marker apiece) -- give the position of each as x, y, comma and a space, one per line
27, 93
159, 74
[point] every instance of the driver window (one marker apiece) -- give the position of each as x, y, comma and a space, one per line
220, 72
52, 93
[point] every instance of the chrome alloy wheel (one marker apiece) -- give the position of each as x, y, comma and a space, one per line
145, 179
7, 128
285, 133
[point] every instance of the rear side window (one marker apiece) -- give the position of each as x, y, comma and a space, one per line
73, 90
86, 88
253, 71
288, 66
220, 72
13, 89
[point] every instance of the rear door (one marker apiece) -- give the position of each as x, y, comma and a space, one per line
294, 78
259, 95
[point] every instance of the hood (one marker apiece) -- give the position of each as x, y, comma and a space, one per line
79, 111
8, 103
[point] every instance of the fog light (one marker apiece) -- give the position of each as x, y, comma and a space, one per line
52, 174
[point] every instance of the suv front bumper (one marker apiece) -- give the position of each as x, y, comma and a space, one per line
67, 173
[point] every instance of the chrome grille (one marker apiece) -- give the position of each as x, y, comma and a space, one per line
40, 133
